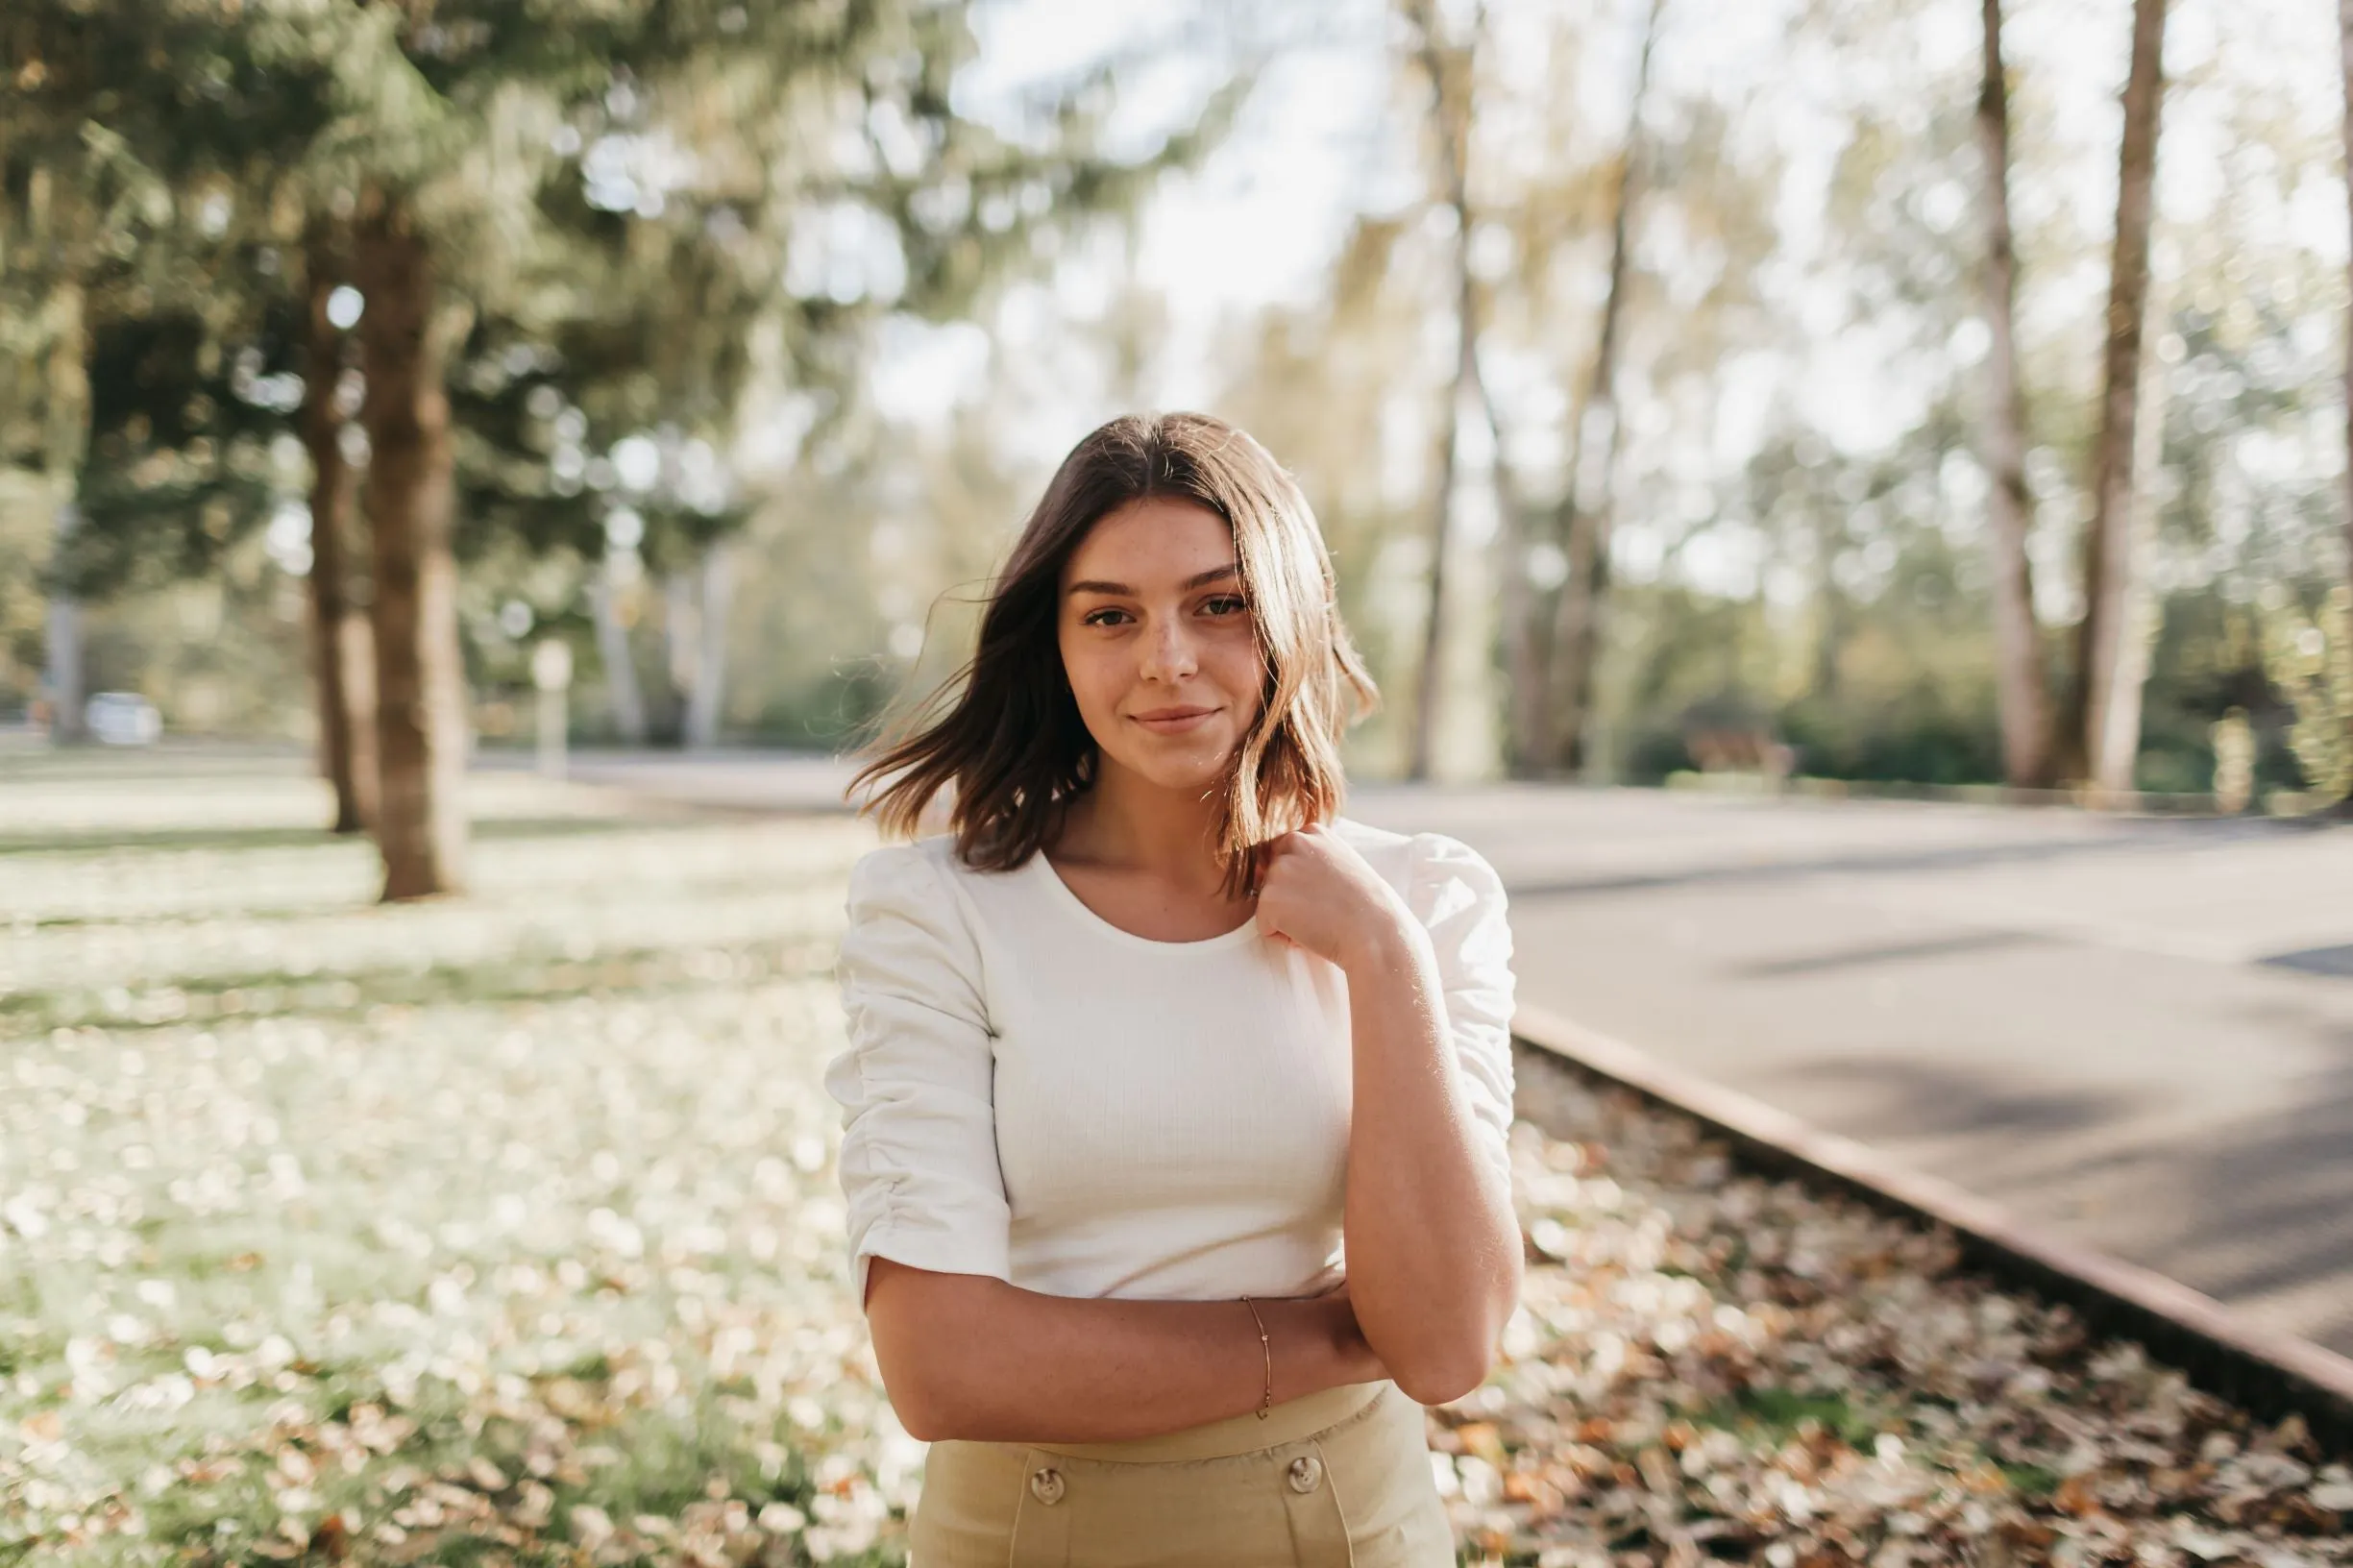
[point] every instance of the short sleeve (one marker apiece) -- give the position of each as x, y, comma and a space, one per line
1459, 899
919, 1163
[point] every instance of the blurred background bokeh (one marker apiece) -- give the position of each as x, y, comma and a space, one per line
740, 335
450, 447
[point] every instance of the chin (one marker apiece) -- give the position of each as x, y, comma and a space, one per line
1197, 768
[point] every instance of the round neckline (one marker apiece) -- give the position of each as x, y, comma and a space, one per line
1064, 895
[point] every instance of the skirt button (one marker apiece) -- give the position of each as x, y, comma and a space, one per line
1046, 1486
1306, 1471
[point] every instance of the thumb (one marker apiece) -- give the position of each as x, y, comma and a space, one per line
1267, 925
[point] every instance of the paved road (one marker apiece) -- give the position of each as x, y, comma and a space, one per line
2137, 1033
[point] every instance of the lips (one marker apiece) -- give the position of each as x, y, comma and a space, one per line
1174, 720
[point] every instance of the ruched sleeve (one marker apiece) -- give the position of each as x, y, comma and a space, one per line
1459, 897
918, 1161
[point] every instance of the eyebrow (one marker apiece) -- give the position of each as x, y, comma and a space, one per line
1199, 579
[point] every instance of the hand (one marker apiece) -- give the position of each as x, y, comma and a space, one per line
1319, 894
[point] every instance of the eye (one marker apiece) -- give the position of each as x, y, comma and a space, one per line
1227, 604
1100, 618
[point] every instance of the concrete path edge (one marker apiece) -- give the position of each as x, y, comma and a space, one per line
2270, 1374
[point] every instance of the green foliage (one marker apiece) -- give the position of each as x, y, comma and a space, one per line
2208, 662
180, 467
664, 229
676, 231
2310, 656
1771, 1416
2030, 1480
24, 552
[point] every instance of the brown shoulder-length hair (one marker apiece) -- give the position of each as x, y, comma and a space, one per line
1003, 736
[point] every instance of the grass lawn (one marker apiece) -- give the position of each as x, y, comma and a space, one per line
495, 1229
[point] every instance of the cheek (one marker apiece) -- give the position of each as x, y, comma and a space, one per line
1241, 674
1096, 678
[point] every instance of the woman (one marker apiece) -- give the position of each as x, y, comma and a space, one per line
1151, 1032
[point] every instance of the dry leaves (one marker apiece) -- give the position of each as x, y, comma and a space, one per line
504, 1228
1710, 1365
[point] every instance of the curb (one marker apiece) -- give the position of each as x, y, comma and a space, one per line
2270, 1374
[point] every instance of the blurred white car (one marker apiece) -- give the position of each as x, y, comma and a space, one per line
122, 718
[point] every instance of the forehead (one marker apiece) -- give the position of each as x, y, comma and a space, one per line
1157, 538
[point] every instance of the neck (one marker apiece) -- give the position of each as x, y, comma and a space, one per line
1124, 819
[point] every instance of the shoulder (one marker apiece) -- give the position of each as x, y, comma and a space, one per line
1440, 876
911, 927
927, 856
919, 880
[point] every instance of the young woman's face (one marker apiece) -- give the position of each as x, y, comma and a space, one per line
1157, 639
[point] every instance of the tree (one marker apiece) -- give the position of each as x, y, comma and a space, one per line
185, 339
1520, 602
452, 135
52, 239
2026, 703
2119, 743
1453, 77
341, 662
2344, 34
2087, 747
411, 496
66, 439
606, 434
1585, 512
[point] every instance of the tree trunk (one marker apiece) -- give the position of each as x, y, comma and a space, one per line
705, 699
1429, 681
356, 636
1831, 613
65, 440
1453, 121
2117, 753
61, 641
1523, 632
2107, 547
410, 498
2018, 653
620, 687
347, 743
1577, 626
1524, 664
2345, 36
679, 614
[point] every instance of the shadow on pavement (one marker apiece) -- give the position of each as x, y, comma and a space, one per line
2140, 837
2282, 1188
1921, 1099
2335, 962
1893, 952
2258, 1210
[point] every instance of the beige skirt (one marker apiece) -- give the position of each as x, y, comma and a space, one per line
1339, 1478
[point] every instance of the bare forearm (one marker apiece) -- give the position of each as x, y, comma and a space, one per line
1433, 1253
973, 1357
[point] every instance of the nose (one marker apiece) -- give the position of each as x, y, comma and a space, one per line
1168, 651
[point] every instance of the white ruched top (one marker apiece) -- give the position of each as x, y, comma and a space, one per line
1033, 1093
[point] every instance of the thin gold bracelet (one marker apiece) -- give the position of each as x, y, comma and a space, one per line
1269, 1349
